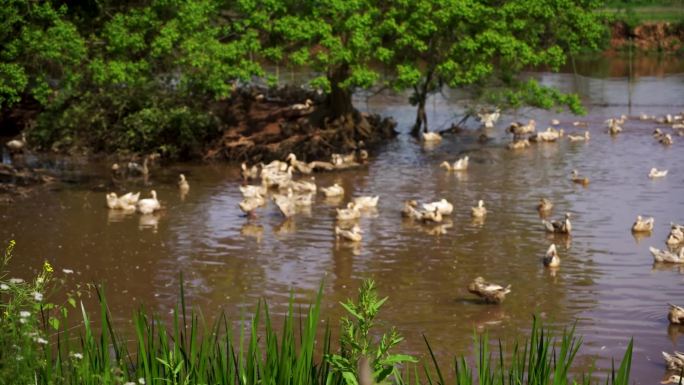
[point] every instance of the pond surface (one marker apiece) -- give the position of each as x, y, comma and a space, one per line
607, 281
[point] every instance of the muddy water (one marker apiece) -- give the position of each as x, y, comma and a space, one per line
607, 280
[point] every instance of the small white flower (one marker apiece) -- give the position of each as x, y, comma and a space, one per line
4, 286
77, 356
22, 320
68, 271
16, 280
19, 358
24, 314
37, 296
141, 381
40, 280
129, 383
41, 341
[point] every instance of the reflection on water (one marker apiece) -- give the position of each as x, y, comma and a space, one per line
607, 280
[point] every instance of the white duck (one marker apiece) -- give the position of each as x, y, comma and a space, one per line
149, 205
302, 186
479, 211
443, 206
579, 138
459, 165
676, 235
183, 185
333, 191
655, 173
409, 210
431, 137
302, 106
551, 258
519, 129
352, 235
667, 256
643, 225
303, 167
489, 119
666, 140
348, 214
675, 361
249, 172
249, 204
285, 204
250, 191
17, 145
276, 178
366, 202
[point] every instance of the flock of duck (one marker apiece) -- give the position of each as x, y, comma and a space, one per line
292, 196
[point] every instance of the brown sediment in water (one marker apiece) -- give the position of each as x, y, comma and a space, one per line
653, 36
19, 181
264, 125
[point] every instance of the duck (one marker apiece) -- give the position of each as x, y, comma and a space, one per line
352, 235
431, 216
551, 258
276, 178
580, 124
338, 159
579, 138
674, 361
149, 205
614, 128
431, 137
249, 172
442, 205
555, 122
183, 184
249, 204
518, 144
130, 198
550, 135
519, 129
676, 314
667, 256
673, 379
676, 235
559, 227
643, 225
112, 201
479, 211
135, 168
657, 133
333, 191
275, 166
302, 186
409, 210
308, 103
303, 167
366, 202
655, 173
348, 214
459, 165
285, 204
303, 199
666, 140
577, 179
250, 191
490, 292
17, 145
544, 205
488, 119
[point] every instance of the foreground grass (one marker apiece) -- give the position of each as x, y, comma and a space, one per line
189, 352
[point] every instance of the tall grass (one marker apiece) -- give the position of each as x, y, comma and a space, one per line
188, 351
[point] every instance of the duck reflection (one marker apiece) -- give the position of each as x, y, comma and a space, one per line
149, 221
252, 230
287, 226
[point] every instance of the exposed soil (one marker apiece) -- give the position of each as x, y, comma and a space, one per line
267, 124
660, 36
19, 181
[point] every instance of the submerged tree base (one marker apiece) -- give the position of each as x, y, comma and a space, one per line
270, 124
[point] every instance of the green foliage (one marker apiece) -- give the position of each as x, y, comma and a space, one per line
539, 360
357, 346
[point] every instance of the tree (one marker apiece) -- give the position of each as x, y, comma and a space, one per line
481, 43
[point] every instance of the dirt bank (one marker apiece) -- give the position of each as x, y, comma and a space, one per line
660, 36
19, 181
268, 124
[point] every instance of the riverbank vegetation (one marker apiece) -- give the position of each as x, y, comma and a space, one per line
144, 76
37, 346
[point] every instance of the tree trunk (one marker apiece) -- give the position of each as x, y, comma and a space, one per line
340, 99
421, 117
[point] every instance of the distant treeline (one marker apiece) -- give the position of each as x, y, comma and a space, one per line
156, 74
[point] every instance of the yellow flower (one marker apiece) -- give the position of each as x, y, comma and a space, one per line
47, 267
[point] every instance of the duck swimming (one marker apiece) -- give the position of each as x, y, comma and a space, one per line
676, 314
559, 227
366, 202
643, 225
478, 211
249, 172
490, 292
674, 361
676, 235
551, 258
348, 214
577, 179
519, 129
655, 173
431, 137
667, 256
579, 138
183, 184
333, 191
149, 205
443, 206
459, 165
352, 235
544, 205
